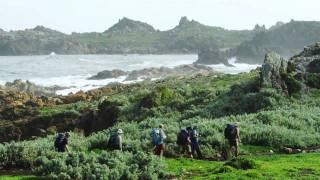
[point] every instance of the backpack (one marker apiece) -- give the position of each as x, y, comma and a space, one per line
112, 142
230, 132
59, 140
194, 134
155, 136
182, 138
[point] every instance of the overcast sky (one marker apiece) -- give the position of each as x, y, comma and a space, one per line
98, 15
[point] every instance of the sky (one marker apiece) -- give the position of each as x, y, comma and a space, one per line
98, 15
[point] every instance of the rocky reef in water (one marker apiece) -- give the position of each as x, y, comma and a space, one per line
214, 56
156, 73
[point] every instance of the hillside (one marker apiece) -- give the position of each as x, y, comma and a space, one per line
285, 39
39, 40
125, 37
277, 107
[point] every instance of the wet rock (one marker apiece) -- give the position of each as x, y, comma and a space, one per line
108, 74
164, 72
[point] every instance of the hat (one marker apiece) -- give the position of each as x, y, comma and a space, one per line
120, 131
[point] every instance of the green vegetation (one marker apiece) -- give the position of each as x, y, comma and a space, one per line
19, 178
302, 166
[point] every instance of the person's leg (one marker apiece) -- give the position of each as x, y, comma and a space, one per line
237, 149
158, 150
193, 148
199, 154
162, 147
189, 151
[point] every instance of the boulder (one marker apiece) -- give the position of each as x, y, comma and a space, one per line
73, 98
287, 150
272, 71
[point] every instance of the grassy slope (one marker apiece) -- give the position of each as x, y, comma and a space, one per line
300, 166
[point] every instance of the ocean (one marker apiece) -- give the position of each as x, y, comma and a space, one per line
72, 71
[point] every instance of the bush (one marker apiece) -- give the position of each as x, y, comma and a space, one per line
241, 163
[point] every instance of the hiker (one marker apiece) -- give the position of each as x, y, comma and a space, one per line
61, 142
115, 140
232, 133
159, 140
195, 148
184, 141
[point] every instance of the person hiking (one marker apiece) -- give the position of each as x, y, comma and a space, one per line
61, 142
184, 141
195, 148
232, 134
160, 142
116, 140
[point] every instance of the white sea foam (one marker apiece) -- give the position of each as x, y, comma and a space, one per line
2, 82
235, 68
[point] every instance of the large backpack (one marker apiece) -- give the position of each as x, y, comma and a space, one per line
155, 136
230, 132
194, 134
58, 141
182, 138
112, 142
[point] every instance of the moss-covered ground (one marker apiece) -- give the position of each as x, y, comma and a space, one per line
299, 166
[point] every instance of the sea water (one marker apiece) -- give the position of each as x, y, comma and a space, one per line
73, 71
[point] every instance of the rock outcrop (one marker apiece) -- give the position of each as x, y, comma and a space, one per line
126, 25
293, 76
213, 56
30, 88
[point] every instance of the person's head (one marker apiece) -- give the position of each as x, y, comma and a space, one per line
237, 124
189, 128
67, 134
195, 127
119, 131
161, 126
